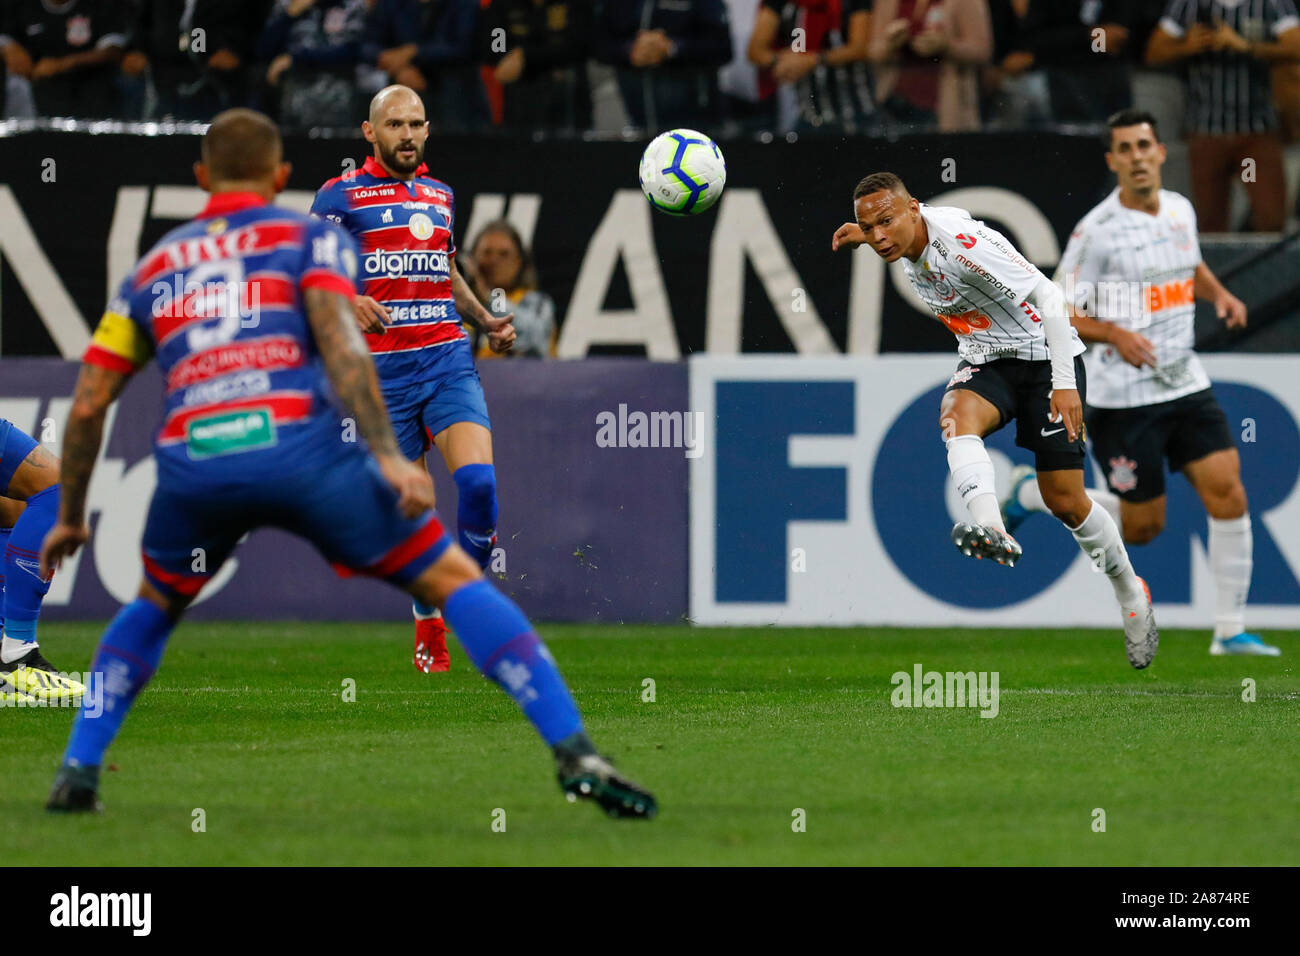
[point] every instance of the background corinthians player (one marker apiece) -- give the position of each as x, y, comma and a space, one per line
1019, 361
1132, 273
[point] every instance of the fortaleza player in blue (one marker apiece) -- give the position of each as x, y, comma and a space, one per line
248, 311
29, 486
411, 306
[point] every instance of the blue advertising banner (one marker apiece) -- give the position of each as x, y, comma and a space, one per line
591, 461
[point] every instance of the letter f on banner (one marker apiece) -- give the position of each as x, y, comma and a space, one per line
758, 493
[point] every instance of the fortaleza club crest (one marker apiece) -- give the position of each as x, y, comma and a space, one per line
1123, 473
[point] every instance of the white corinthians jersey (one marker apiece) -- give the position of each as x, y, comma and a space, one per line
976, 283
1136, 270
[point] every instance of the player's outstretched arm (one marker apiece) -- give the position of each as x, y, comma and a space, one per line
501, 334
352, 373
847, 236
97, 389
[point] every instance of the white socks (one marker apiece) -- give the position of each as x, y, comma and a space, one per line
1100, 540
1030, 497
11, 650
972, 473
1231, 550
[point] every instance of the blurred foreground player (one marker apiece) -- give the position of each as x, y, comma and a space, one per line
1150, 399
29, 484
250, 438
1019, 361
410, 310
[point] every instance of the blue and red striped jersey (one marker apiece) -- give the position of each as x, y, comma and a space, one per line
404, 231
218, 303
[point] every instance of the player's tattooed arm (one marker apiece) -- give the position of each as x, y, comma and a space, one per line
501, 334
97, 389
350, 368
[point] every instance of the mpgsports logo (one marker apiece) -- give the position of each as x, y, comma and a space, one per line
823, 497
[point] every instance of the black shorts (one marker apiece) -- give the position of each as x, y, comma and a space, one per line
1132, 444
1023, 390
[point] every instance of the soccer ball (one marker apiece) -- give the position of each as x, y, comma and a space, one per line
682, 172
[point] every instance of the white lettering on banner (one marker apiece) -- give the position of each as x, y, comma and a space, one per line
864, 489
121, 497
743, 231
625, 233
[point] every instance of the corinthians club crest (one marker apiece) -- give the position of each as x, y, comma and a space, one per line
1123, 473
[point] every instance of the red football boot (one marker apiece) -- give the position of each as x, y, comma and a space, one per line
431, 655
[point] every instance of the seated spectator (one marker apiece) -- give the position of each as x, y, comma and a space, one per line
314, 48
928, 54
1081, 44
815, 53
430, 47
1232, 124
505, 281
667, 54
193, 55
70, 51
539, 51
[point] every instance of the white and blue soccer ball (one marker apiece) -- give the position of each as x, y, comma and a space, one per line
682, 172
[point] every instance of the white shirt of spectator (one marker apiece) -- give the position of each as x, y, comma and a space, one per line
1129, 267
976, 283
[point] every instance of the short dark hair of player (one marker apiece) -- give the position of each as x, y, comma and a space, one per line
241, 145
877, 182
1129, 117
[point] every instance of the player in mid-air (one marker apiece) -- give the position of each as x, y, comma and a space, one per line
1132, 272
1019, 360
29, 503
412, 302
251, 353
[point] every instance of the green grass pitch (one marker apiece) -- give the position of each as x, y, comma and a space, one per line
247, 722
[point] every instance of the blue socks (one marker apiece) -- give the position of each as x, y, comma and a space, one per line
476, 513
4, 544
127, 657
24, 589
501, 643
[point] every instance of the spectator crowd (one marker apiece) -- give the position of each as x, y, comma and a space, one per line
1223, 74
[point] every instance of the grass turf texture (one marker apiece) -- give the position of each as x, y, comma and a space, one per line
247, 722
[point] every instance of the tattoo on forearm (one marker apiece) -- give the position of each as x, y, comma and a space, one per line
467, 303
97, 388
350, 368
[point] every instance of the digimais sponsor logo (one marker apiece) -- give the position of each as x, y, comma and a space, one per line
394, 265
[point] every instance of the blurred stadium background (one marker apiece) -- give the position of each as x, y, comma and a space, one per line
799, 486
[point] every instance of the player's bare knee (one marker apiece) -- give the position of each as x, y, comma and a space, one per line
173, 605
444, 577
1226, 501
1070, 507
1143, 530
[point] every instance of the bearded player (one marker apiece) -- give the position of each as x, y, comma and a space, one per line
1132, 272
410, 311
1019, 360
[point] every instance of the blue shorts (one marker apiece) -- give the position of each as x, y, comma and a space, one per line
15, 446
347, 510
449, 392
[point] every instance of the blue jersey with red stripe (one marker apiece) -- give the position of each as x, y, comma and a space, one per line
404, 231
219, 303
